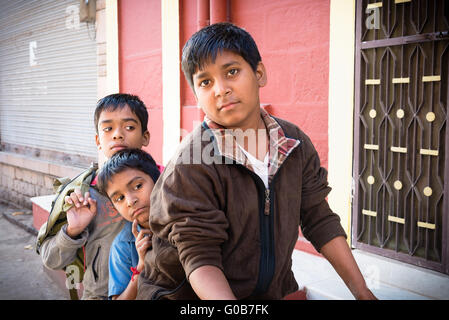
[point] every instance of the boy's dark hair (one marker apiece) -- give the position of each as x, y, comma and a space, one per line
127, 159
206, 43
119, 101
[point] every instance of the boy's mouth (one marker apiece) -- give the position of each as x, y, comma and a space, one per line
138, 212
118, 147
228, 105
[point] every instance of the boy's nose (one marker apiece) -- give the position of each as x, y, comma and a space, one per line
222, 89
118, 134
132, 202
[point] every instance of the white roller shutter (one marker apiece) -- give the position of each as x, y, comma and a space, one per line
48, 76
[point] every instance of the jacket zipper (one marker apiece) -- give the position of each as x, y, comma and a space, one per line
267, 262
267, 202
267, 258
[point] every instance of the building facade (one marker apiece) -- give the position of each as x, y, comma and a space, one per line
366, 80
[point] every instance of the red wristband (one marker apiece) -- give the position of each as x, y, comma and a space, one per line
135, 273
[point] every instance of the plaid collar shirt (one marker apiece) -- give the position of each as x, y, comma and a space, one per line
280, 146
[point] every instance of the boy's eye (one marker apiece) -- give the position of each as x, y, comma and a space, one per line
138, 186
204, 83
107, 129
119, 198
130, 128
233, 72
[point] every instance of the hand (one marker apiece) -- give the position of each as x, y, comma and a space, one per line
143, 243
338, 253
81, 214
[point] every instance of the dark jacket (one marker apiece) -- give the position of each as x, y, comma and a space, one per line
222, 215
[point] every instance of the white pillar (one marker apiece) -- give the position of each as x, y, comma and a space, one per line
171, 86
112, 73
341, 108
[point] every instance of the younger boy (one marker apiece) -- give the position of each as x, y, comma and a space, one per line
234, 217
128, 179
89, 221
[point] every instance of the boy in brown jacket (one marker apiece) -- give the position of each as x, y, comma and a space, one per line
228, 206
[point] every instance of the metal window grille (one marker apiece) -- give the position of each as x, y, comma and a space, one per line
401, 167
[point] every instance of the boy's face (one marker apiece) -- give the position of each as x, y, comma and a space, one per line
130, 192
228, 90
120, 129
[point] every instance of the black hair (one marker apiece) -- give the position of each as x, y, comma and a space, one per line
205, 44
116, 101
127, 159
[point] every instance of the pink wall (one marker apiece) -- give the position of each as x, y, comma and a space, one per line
293, 40
140, 61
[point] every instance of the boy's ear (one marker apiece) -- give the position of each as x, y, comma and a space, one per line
97, 141
261, 74
146, 138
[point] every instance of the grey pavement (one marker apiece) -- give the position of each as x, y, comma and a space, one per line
22, 276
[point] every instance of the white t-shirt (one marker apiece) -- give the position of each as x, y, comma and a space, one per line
260, 168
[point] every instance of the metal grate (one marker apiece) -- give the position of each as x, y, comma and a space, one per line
401, 167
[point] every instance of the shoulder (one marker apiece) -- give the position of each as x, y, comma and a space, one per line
307, 149
190, 156
125, 235
291, 130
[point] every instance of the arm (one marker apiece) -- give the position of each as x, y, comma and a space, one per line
322, 227
130, 292
60, 250
186, 209
143, 243
209, 283
337, 252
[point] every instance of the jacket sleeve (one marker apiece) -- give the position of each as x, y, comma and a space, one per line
318, 223
187, 209
60, 250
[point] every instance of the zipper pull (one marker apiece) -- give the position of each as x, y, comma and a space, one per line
267, 202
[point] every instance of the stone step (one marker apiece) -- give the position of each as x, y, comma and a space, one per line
388, 279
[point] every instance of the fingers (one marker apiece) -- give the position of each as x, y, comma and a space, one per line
75, 198
86, 197
134, 229
143, 245
146, 232
78, 200
144, 236
140, 234
92, 204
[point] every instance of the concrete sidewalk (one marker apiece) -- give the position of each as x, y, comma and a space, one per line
22, 275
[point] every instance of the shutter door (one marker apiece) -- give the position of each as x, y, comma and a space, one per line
48, 77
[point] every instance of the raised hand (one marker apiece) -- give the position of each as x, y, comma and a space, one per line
143, 243
81, 214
